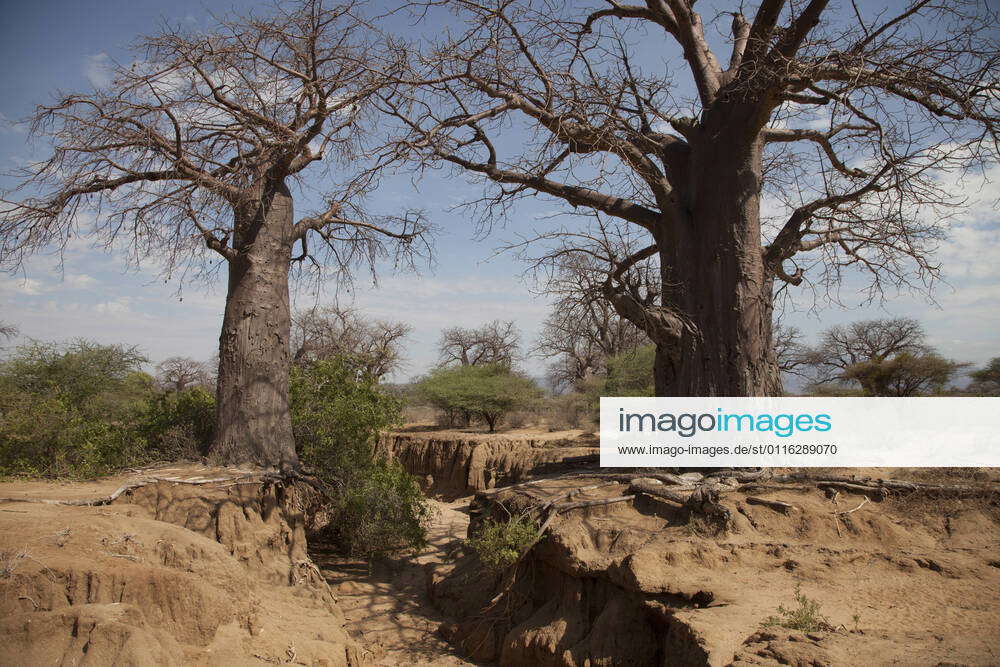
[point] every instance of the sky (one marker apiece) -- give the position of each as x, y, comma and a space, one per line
57, 45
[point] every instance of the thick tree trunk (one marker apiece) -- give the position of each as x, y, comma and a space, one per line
253, 423
713, 272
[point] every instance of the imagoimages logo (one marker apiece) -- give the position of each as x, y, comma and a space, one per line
800, 431
689, 424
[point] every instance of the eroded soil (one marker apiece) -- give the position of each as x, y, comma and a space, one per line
387, 607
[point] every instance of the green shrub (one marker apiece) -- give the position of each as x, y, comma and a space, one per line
488, 392
72, 410
337, 414
382, 510
499, 544
180, 424
805, 617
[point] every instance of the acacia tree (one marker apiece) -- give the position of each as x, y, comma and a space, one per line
375, 347
841, 114
494, 343
194, 147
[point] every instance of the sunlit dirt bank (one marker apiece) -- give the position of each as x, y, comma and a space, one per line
185, 566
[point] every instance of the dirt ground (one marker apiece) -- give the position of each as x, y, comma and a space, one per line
181, 572
387, 607
902, 580
175, 571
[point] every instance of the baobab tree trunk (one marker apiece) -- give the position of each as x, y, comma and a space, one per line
253, 422
713, 271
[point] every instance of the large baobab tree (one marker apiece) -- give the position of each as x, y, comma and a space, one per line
840, 113
191, 154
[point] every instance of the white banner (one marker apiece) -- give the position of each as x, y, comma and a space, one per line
800, 432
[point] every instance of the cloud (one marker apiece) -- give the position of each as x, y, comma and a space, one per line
119, 306
21, 286
79, 281
97, 69
10, 126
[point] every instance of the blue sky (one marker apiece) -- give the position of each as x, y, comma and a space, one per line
62, 45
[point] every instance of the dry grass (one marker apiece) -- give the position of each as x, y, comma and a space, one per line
11, 560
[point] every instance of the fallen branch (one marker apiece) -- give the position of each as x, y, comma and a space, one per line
646, 487
863, 503
564, 507
779, 505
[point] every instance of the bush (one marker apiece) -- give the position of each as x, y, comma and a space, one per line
337, 414
72, 410
180, 424
499, 544
631, 373
488, 392
381, 511
804, 617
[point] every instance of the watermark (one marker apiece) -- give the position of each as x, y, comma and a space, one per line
800, 431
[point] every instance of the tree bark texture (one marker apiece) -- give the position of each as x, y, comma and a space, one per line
253, 422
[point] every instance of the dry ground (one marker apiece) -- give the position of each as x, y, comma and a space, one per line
387, 607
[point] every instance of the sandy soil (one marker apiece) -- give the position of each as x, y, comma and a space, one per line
173, 572
904, 581
386, 607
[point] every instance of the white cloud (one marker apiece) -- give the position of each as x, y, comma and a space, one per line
9, 126
79, 281
119, 306
21, 286
97, 69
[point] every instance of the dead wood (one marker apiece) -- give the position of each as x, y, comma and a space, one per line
779, 505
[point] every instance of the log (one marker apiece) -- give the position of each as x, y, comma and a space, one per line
672, 494
564, 507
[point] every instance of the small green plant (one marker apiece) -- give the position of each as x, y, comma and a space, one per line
500, 544
805, 617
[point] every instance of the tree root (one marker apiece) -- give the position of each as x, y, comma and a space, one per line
250, 478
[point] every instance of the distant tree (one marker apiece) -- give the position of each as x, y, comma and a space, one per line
487, 391
494, 343
986, 380
373, 346
843, 347
188, 155
77, 371
179, 373
791, 354
905, 374
7, 331
583, 329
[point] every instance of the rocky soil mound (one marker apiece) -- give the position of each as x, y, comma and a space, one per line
454, 464
180, 566
656, 569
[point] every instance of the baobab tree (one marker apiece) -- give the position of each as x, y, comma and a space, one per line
583, 329
494, 343
843, 347
373, 346
191, 153
179, 373
842, 115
